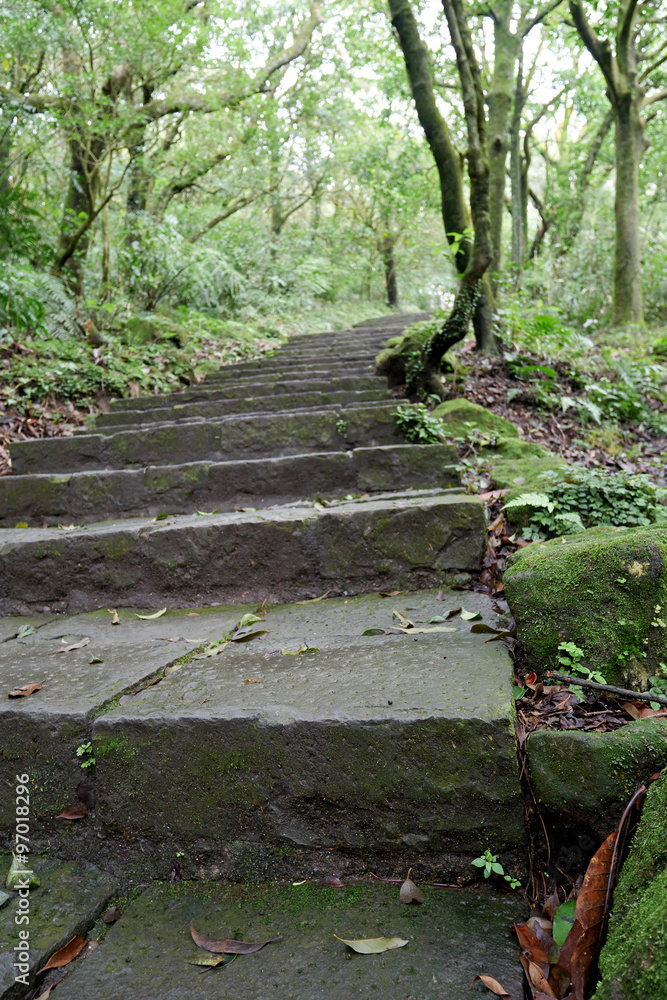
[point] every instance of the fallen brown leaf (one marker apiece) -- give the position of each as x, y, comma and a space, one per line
112, 915
410, 893
330, 880
77, 811
227, 946
577, 956
25, 691
115, 620
65, 955
493, 985
69, 649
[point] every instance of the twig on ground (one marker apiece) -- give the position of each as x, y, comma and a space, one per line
610, 688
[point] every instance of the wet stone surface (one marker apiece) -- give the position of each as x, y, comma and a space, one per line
452, 937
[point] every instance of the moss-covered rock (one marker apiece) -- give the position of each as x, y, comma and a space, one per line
522, 474
394, 360
561, 763
633, 963
460, 416
513, 449
152, 329
605, 590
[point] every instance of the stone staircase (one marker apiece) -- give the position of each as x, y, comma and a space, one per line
280, 487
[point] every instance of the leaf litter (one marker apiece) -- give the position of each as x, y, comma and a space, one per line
66, 954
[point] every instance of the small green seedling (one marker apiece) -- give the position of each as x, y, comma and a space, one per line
489, 862
86, 751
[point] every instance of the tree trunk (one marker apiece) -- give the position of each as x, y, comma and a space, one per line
455, 217
517, 179
500, 105
79, 204
630, 145
386, 247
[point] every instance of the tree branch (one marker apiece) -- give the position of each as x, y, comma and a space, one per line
659, 95
293, 51
524, 29
235, 205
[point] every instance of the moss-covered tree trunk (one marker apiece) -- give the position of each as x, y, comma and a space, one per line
499, 100
455, 216
626, 76
387, 248
630, 145
78, 207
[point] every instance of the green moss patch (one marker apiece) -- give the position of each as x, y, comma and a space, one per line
633, 963
605, 590
460, 417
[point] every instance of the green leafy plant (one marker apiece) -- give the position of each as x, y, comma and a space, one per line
569, 657
85, 751
418, 425
577, 498
341, 427
489, 862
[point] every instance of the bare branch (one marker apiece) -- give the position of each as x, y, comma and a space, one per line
235, 205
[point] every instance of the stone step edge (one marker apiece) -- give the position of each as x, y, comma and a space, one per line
93, 495
409, 541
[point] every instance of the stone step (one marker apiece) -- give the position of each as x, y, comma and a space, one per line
295, 370
295, 362
184, 489
389, 745
168, 417
241, 390
450, 939
278, 553
221, 407
215, 440
68, 901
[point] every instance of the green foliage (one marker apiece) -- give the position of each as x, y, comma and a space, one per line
578, 498
569, 657
489, 862
418, 425
85, 751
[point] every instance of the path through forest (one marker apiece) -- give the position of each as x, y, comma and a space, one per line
311, 702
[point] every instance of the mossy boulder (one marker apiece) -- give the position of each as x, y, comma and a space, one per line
561, 763
605, 590
394, 359
523, 474
460, 416
512, 449
633, 963
153, 329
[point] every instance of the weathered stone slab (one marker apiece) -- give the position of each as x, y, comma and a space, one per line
207, 486
584, 780
240, 390
274, 554
215, 440
167, 418
220, 407
452, 937
605, 590
41, 734
69, 900
292, 369
335, 747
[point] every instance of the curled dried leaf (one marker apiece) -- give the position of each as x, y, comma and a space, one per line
493, 985
411, 893
227, 946
373, 946
25, 690
65, 955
